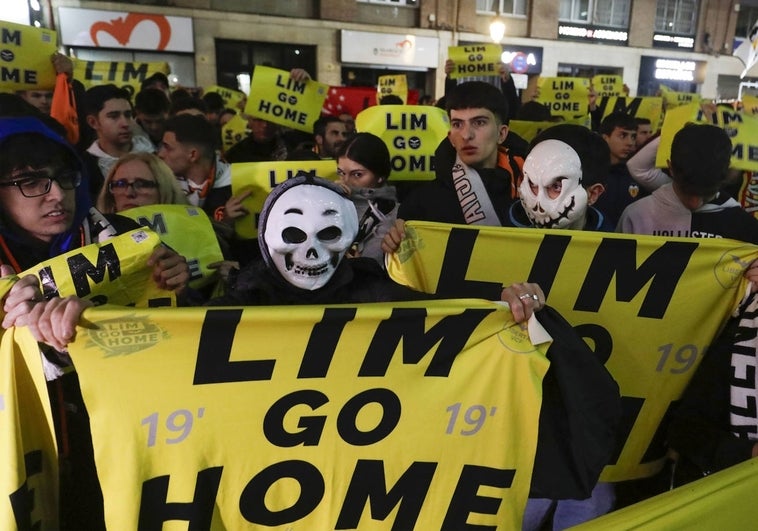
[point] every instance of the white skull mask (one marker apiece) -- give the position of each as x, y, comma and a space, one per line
551, 191
308, 229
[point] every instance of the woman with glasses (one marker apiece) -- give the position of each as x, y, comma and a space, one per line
139, 179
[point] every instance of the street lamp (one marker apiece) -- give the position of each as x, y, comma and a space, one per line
497, 29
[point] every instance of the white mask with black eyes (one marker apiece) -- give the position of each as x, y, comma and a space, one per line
308, 230
551, 191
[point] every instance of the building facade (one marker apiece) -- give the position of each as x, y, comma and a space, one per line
685, 44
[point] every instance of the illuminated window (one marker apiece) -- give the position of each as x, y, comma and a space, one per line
609, 13
676, 16
501, 7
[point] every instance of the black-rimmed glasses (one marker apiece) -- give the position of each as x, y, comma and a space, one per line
37, 183
138, 185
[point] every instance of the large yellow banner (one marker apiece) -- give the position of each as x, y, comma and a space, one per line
648, 306
343, 417
640, 107
26, 57
276, 97
262, 177
411, 133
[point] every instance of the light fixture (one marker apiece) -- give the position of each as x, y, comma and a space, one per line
497, 29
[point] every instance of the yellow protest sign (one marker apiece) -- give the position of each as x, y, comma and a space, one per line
412, 134
28, 452
395, 85
233, 99
641, 107
567, 97
750, 104
126, 75
475, 60
528, 130
633, 298
188, 231
304, 416
607, 85
275, 97
673, 99
234, 131
261, 177
113, 272
742, 129
26, 57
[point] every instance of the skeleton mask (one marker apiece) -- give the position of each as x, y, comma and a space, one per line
308, 229
552, 192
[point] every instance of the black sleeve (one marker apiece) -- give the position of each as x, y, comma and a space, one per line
699, 428
514, 101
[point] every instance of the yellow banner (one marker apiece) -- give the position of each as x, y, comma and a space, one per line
112, 272
412, 134
750, 104
648, 306
312, 417
528, 130
261, 177
567, 97
606, 85
28, 453
742, 129
475, 60
26, 57
126, 75
233, 131
724, 500
672, 99
642, 107
395, 85
188, 231
233, 99
275, 97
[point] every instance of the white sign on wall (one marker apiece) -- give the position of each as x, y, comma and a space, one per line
125, 30
389, 49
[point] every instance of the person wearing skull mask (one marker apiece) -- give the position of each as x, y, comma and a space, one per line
564, 174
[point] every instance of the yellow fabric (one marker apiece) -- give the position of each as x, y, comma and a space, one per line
567, 97
29, 470
26, 63
212, 408
741, 127
411, 133
262, 177
124, 74
725, 500
649, 305
641, 107
113, 272
275, 97
188, 231
395, 85
607, 85
475, 60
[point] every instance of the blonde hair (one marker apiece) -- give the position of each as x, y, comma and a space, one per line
169, 191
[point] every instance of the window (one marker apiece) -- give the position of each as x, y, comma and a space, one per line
501, 7
676, 16
406, 3
609, 13
747, 16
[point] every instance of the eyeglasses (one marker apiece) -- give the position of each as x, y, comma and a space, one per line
37, 183
138, 185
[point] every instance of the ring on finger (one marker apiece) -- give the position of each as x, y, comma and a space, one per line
532, 296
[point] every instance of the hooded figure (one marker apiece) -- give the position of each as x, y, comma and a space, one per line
29, 149
306, 226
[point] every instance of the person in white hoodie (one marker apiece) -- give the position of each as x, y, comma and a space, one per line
111, 116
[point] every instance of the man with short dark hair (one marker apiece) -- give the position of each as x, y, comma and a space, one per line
619, 130
151, 107
329, 132
109, 113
